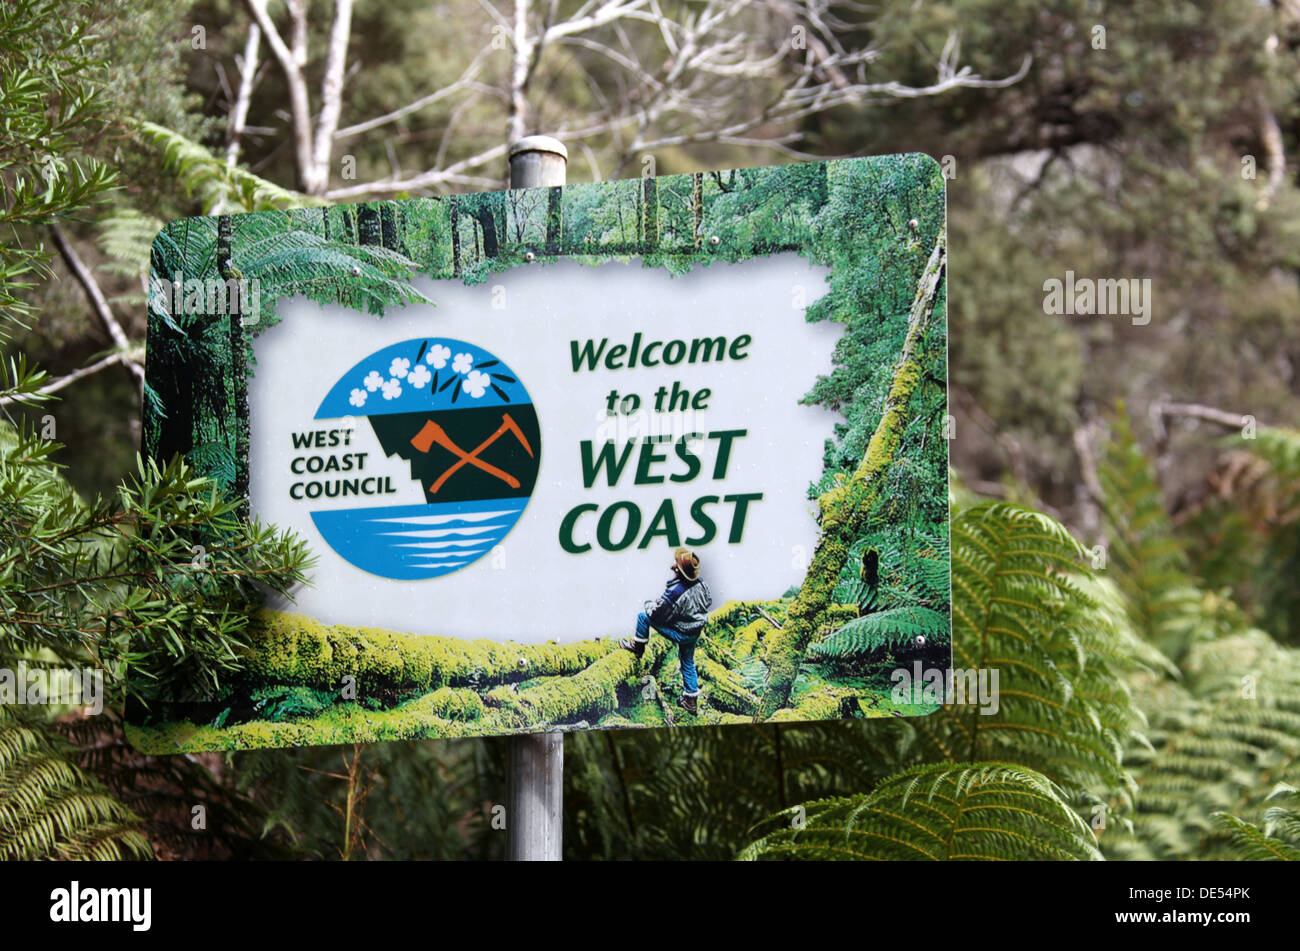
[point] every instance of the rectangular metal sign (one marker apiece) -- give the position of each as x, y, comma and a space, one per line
654, 452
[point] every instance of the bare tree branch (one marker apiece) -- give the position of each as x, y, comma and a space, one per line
60, 382
98, 302
1209, 414
736, 72
291, 68
247, 76
466, 81
331, 93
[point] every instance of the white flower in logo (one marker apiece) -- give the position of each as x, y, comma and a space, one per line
399, 366
438, 356
418, 377
476, 383
462, 363
373, 381
357, 398
392, 389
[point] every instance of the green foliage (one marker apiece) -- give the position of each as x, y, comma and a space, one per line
1141, 175
1229, 726
1161, 595
1247, 535
217, 186
50, 808
48, 69
1277, 840
1022, 606
1216, 742
894, 627
939, 812
161, 578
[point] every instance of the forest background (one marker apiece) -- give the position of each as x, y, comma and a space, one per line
1159, 708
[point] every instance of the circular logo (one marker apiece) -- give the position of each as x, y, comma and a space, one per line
466, 428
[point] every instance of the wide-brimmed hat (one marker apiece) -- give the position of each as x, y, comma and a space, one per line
687, 564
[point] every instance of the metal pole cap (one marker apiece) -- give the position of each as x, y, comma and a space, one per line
539, 143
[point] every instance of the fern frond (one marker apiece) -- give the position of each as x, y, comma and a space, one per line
1216, 742
1278, 840
218, 186
940, 812
896, 627
125, 238
51, 809
1163, 600
1021, 608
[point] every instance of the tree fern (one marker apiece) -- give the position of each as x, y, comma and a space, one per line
125, 236
1218, 741
896, 627
653, 794
1278, 563
50, 808
1229, 726
217, 186
1163, 601
940, 812
1021, 606
1277, 840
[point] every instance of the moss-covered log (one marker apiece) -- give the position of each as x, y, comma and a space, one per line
726, 690
844, 508
293, 649
347, 723
746, 641
821, 703
588, 695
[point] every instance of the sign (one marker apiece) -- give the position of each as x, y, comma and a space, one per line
668, 451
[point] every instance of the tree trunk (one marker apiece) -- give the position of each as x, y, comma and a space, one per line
554, 220
638, 235
388, 226
488, 222
455, 237
369, 225
650, 196
697, 210
844, 508
238, 354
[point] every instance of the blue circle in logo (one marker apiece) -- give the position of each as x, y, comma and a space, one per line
466, 426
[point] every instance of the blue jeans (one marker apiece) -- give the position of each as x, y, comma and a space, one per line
685, 650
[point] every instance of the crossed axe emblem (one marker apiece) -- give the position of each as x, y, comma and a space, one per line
433, 433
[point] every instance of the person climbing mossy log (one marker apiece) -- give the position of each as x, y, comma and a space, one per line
845, 507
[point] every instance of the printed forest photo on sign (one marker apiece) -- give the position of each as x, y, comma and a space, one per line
651, 452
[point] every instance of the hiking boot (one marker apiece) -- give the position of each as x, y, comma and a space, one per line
633, 645
690, 704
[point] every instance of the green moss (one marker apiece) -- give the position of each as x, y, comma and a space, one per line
746, 640
588, 695
821, 703
726, 690
449, 703
614, 721
294, 649
278, 702
346, 723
